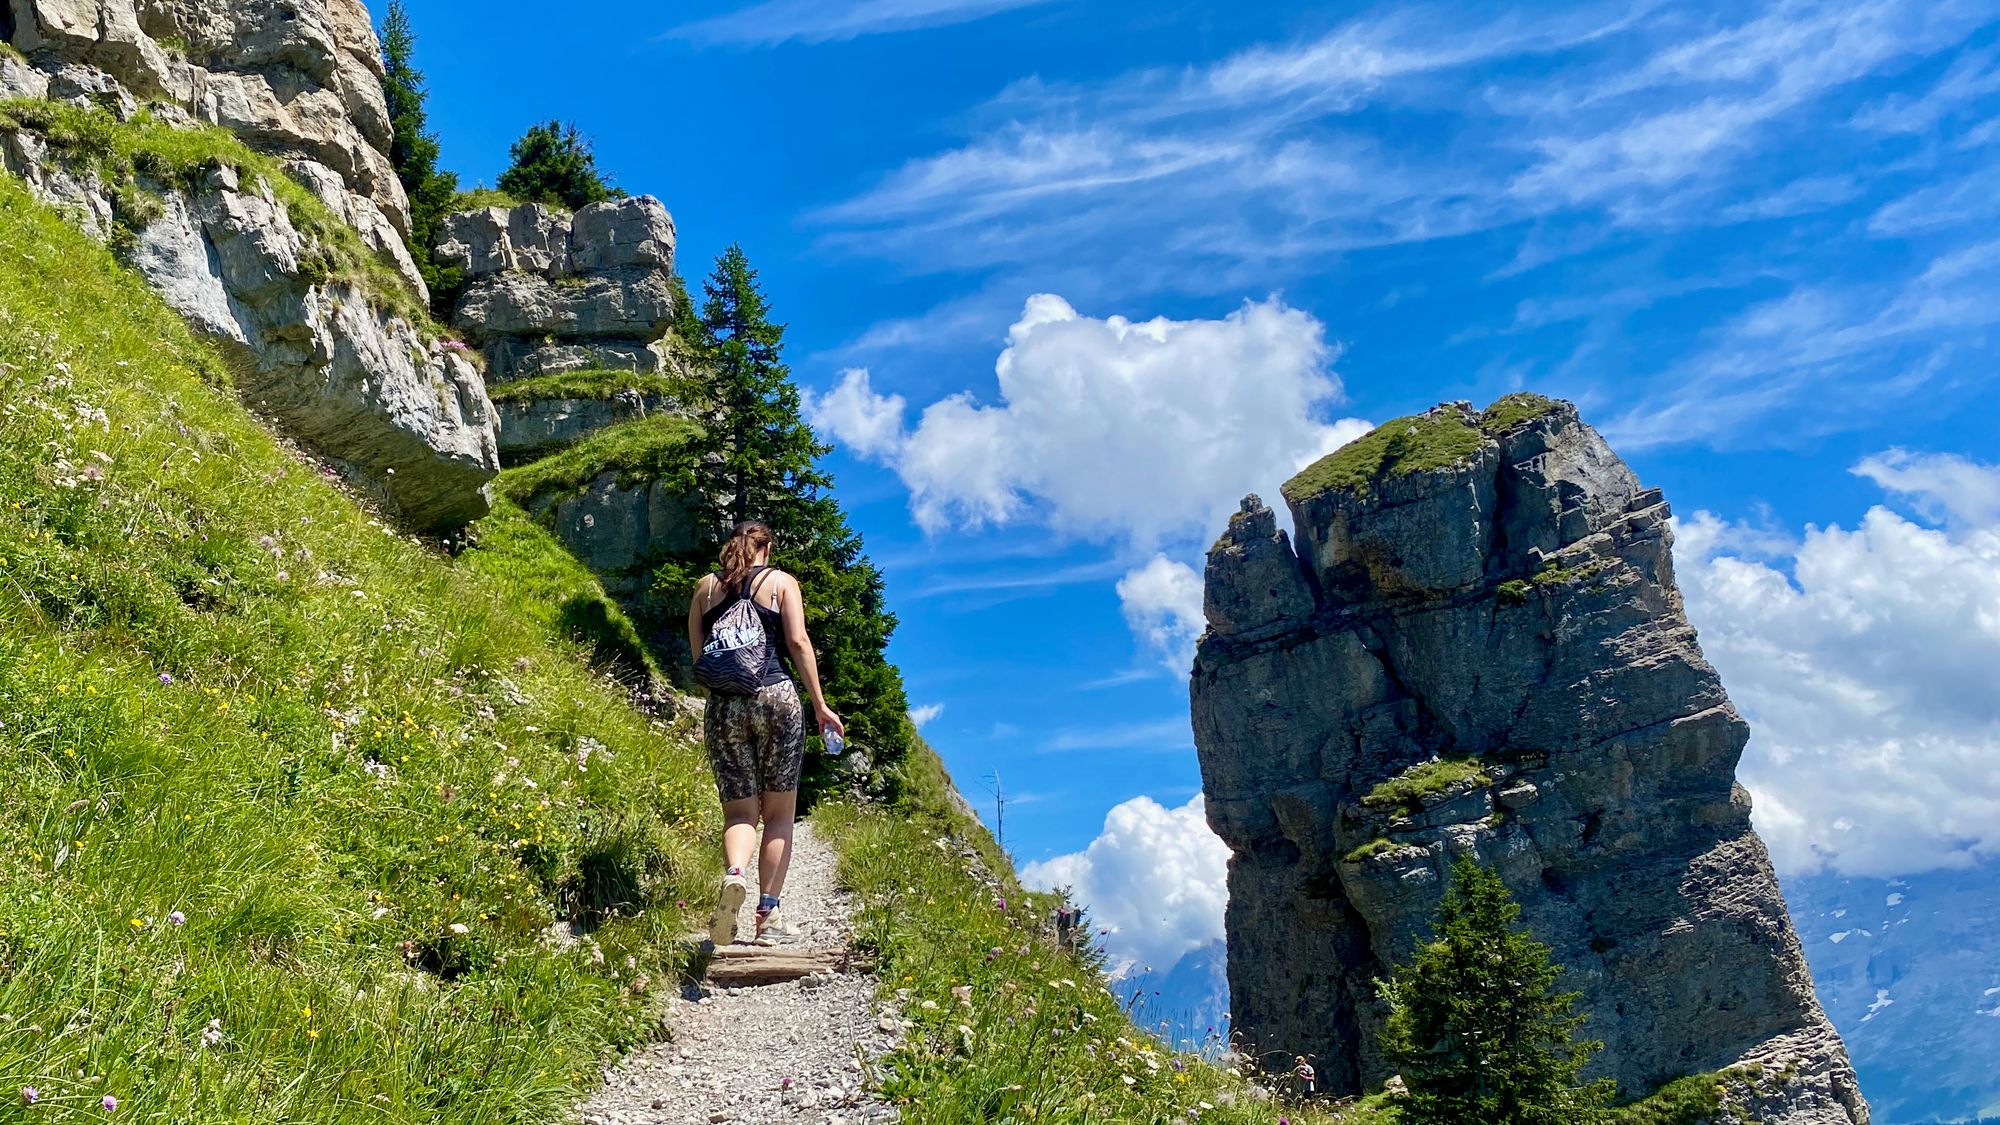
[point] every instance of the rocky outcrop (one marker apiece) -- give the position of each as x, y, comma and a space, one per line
317, 346
406, 419
530, 427
574, 315
1478, 648
300, 79
548, 293
620, 528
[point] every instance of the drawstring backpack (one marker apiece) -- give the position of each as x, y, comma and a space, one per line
732, 662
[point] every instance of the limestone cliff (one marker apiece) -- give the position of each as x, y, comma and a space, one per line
295, 260
1478, 647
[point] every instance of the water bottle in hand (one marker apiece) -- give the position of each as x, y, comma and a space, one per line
834, 743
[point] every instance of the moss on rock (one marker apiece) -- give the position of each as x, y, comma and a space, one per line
593, 383
1431, 440
1512, 410
655, 448
1411, 788
1438, 438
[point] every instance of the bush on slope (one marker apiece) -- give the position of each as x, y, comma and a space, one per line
289, 804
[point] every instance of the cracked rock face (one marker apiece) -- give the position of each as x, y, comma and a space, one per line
1510, 604
300, 79
548, 292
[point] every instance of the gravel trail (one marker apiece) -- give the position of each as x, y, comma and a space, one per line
776, 1053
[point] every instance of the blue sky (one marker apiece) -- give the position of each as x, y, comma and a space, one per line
1755, 242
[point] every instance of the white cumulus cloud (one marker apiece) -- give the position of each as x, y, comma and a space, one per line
1162, 604
1112, 430
868, 424
1154, 877
1867, 673
923, 715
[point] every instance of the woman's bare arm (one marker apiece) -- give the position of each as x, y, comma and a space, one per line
697, 606
805, 661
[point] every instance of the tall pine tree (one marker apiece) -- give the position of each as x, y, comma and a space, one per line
413, 148
1476, 1027
759, 460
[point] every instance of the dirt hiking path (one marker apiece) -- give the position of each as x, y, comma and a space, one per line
792, 1052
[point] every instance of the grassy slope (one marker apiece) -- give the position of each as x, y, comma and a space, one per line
365, 779
1035, 1037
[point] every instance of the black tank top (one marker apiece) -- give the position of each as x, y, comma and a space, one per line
775, 670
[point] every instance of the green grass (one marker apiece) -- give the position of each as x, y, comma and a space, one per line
1554, 574
125, 153
9, 51
1512, 410
654, 448
1033, 1036
365, 777
1694, 1100
557, 592
594, 383
1411, 788
1418, 443
482, 197
1380, 845
1414, 444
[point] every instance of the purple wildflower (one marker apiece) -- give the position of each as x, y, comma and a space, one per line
999, 904
785, 1084
30, 1095
166, 677
177, 918
110, 1104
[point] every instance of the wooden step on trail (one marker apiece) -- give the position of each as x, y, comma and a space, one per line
745, 966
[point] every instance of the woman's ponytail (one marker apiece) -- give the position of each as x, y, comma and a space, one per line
739, 555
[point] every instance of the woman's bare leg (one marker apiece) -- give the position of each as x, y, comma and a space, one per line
779, 811
739, 832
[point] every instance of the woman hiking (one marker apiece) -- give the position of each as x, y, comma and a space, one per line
755, 727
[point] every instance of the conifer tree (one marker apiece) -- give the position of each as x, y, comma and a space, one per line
413, 148
1476, 1027
554, 164
758, 459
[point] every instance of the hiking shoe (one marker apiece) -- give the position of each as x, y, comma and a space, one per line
728, 903
772, 930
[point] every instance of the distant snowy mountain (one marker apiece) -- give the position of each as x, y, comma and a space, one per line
1909, 970
1187, 1003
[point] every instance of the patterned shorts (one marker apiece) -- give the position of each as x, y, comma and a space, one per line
756, 743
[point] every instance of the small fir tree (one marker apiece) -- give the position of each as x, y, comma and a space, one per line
554, 164
1476, 1027
413, 148
758, 459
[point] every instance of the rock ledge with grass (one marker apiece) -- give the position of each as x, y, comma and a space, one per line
236, 154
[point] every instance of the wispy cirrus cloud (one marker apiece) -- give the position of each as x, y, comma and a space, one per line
820, 21
1558, 133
